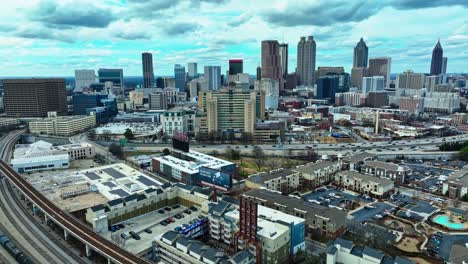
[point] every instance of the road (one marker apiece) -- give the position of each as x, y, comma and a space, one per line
20, 225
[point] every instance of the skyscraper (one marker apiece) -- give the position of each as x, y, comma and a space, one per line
271, 61
192, 70
444, 65
437, 58
235, 67
84, 78
148, 73
380, 67
327, 87
259, 73
179, 76
360, 54
213, 77
34, 97
283, 51
306, 61
112, 75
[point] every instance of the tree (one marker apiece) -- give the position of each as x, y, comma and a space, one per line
232, 153
129, 134
116, 150
259, 156
166, 152
463, 154
465, 198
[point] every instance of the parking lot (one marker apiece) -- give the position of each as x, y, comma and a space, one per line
151, 222
330, 196
368, 213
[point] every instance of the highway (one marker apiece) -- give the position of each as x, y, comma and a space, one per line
72, 225
21, 226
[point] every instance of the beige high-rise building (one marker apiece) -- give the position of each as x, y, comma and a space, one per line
231, 109
410, 80
380, 67
305, 70
356, 76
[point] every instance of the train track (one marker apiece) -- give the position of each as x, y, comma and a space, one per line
40, 246
67, 221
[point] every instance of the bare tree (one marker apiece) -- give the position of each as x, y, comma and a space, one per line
259, 156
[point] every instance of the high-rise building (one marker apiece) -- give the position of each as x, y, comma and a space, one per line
327, 87
259, 73
112, 75
192, 70
373, 84
356, 76
410, 80
34, 97
157, 101
148, 72
380, 67
235, 67
271, 61
444, 65
360, 54
84, 78
179, 76
160, 82
271, 89
437, 59
213, 77
306, 61
231, 109
283, 51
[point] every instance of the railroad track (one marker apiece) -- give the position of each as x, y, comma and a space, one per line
40, 248
67, 221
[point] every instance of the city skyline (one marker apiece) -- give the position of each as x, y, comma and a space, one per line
50, 38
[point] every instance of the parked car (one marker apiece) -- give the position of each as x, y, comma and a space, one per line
175, 206
149, 231
124, 236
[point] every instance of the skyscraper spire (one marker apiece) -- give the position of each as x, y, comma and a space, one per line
437, 58
360, 54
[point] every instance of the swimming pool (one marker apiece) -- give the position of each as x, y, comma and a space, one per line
445, 221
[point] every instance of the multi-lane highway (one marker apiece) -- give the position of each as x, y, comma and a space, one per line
72, 225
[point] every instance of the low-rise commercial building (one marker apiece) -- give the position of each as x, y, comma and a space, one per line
344, 251
328, 221
318, 174
280, 180
64, 126
365, 184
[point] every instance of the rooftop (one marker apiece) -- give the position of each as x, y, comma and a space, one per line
384, 165
366, 177
359, 157
267, 176
311, 167
198, 160
137, 128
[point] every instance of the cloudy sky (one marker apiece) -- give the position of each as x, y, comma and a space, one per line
54, 37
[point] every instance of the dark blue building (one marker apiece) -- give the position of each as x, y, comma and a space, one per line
327, 86
104, 107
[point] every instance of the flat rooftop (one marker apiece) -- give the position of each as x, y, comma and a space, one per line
137, 128
198, 160
267, 176
366, 177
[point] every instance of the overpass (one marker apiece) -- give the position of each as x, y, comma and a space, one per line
70, 224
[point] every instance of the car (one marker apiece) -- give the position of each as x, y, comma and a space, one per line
201, 217
188, 211
167, 209
175, 206
132, 233
193, 208
177, 217
181, 215
170, 220
161, 211
321, 190
121, 226
177, 228
124, 236
149, 231
163, 223
136, 237
203, 146
246, 146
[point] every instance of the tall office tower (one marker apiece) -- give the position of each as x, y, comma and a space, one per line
306, 61
148, 73
444, 65
213, 77
410, 80
271, 62
360, 54
84, 78
34, 97
157, 101
111, 75
437, 59
380, 67
327, 87
324, 71
373, 84
227, 109
283, 51
356, 76
192, 70
235, 67
179, 77
160, 82
259, 73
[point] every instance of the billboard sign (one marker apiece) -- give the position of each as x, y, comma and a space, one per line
180, 141
215, 178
